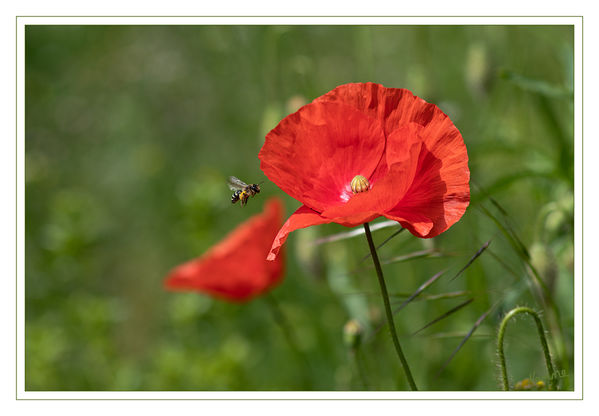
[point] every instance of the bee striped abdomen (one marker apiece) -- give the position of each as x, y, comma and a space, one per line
235, 196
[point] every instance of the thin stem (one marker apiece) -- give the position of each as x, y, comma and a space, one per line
540, 330
359, 369
283, 323
388, 312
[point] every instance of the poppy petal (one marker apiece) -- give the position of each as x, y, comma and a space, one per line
314, 154
417, 224
389, 190
440, 192
353, 220
396, 107
392, 106
303, 217
235, 269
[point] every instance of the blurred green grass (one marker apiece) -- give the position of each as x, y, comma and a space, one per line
131, 132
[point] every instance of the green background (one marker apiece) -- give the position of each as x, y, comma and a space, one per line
131, 132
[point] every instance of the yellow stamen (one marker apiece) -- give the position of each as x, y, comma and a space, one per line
359, 184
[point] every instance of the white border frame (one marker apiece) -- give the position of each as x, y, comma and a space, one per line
21, 22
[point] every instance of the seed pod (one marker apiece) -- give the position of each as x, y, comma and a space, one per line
359, 184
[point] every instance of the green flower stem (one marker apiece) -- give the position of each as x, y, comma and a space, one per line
359, 367
281, 320
389, 313
541, 331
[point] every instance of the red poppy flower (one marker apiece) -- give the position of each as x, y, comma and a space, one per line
236, 268
362, 151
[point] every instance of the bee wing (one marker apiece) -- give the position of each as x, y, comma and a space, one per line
236, 183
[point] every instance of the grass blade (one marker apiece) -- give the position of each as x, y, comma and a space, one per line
413, 255
354, 233
425, 298
504, 264
418, 291
446, 335
536, 86
445, 315
509, 226
478, 322
508, 180
522, 252
516, 244
383, 243
447, 295
476, 255
406, 257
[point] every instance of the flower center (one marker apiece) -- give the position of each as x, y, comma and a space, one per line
359, 184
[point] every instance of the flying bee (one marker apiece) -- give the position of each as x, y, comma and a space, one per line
243, 191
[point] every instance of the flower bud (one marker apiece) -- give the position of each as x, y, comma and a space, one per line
528, 384
352, 333
525, 384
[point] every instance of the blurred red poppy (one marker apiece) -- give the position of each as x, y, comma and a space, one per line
362, 151
236, 268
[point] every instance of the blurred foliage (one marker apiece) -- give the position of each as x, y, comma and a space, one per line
131, 132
